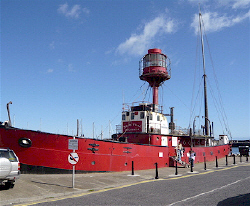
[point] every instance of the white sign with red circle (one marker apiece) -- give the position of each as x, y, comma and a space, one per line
73, 158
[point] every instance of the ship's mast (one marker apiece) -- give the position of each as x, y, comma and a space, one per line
205, 81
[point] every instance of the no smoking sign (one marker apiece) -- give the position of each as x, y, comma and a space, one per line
73, 158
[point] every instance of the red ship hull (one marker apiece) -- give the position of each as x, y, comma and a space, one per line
50, 152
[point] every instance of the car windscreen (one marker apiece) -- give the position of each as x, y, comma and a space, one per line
9, 155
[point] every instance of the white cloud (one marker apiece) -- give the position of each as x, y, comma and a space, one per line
241, 4
50, 70
73, 12
71, 68
239, 19
52, 45
85, 10
197, 1
234, 4
137, 44
215, 22
60, 60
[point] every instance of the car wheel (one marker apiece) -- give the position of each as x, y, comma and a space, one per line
8, 185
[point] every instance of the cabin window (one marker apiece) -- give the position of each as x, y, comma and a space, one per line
158, 118
123, 117
150, 116
142, 115
132, 115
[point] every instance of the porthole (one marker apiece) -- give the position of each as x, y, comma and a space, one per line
93, 162
126, 164
25, 142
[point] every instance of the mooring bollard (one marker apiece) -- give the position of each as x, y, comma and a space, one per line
226, 161
133, 168
216, 161
234, 160
176, 170
156, 171
205, 164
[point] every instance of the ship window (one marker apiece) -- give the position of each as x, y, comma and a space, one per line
142, 115
24, 142
132, 115
154, 60
123, 117
150, 116
158, 118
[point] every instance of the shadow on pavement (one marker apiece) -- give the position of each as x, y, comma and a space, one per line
239, 200
45, 183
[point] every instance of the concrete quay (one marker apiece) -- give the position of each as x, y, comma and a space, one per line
37, 188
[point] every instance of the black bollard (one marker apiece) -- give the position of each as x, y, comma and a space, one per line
133, 168
205, 164
234, 160
216, 161
226, 161
247, 158
176, 170
240, 158
192, 164
156, 171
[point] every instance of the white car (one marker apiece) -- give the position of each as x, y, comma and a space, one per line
9, 168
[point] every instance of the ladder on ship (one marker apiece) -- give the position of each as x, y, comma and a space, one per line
184, 164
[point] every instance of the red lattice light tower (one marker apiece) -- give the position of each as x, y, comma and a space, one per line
153, 69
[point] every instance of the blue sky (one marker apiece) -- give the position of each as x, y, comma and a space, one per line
68, 60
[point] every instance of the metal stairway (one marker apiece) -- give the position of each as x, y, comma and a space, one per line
184, 164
